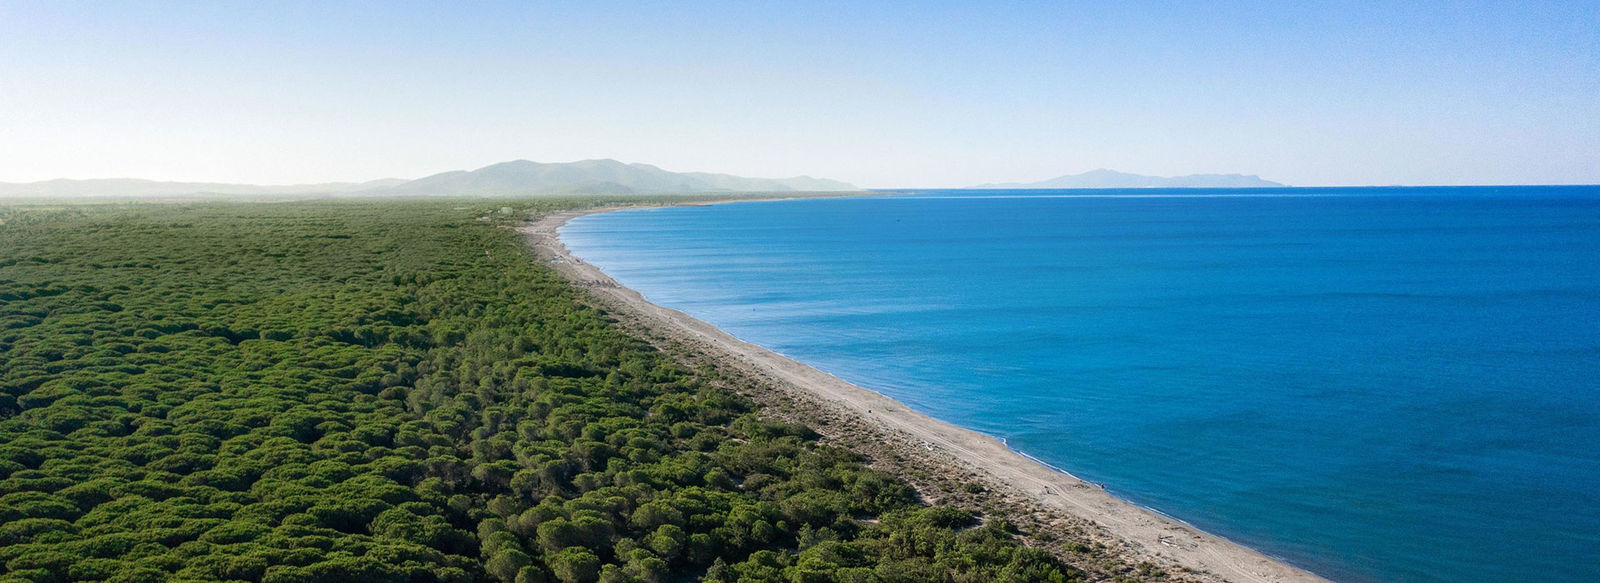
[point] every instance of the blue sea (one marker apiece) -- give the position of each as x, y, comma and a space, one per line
1375, 384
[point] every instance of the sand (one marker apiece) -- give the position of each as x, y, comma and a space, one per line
1137, 535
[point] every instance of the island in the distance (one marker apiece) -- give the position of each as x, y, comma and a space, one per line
1103, 178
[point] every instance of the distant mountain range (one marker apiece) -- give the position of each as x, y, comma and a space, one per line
140, 187
520, 177
1103, 178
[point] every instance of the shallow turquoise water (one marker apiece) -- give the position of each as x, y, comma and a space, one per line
1375, 384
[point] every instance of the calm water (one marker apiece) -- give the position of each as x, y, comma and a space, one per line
1375, 384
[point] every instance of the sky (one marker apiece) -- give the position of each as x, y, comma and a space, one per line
879, 94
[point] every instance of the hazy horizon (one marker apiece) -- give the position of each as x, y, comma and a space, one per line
888, 95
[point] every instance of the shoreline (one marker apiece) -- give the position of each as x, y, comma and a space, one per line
1134, 534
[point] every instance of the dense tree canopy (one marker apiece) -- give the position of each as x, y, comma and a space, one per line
394, 391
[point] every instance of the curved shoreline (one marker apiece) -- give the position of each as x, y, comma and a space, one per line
1145, 533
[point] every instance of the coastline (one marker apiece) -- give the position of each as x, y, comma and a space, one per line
1061, 502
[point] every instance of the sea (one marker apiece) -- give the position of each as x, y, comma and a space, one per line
1374, 384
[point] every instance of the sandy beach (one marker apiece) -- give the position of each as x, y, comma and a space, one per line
1075, 509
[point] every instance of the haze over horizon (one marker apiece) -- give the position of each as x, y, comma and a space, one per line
886, 95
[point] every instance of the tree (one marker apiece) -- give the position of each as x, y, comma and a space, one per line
575, 565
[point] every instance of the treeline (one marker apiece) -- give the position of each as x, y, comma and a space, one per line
393, 391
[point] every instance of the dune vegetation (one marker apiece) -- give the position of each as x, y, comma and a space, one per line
394, 391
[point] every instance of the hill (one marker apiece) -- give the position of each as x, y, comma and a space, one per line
527, 177
1104, 178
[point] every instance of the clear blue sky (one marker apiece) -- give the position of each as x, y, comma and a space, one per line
879, 94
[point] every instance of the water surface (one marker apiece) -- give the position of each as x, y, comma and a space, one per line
1375, 384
